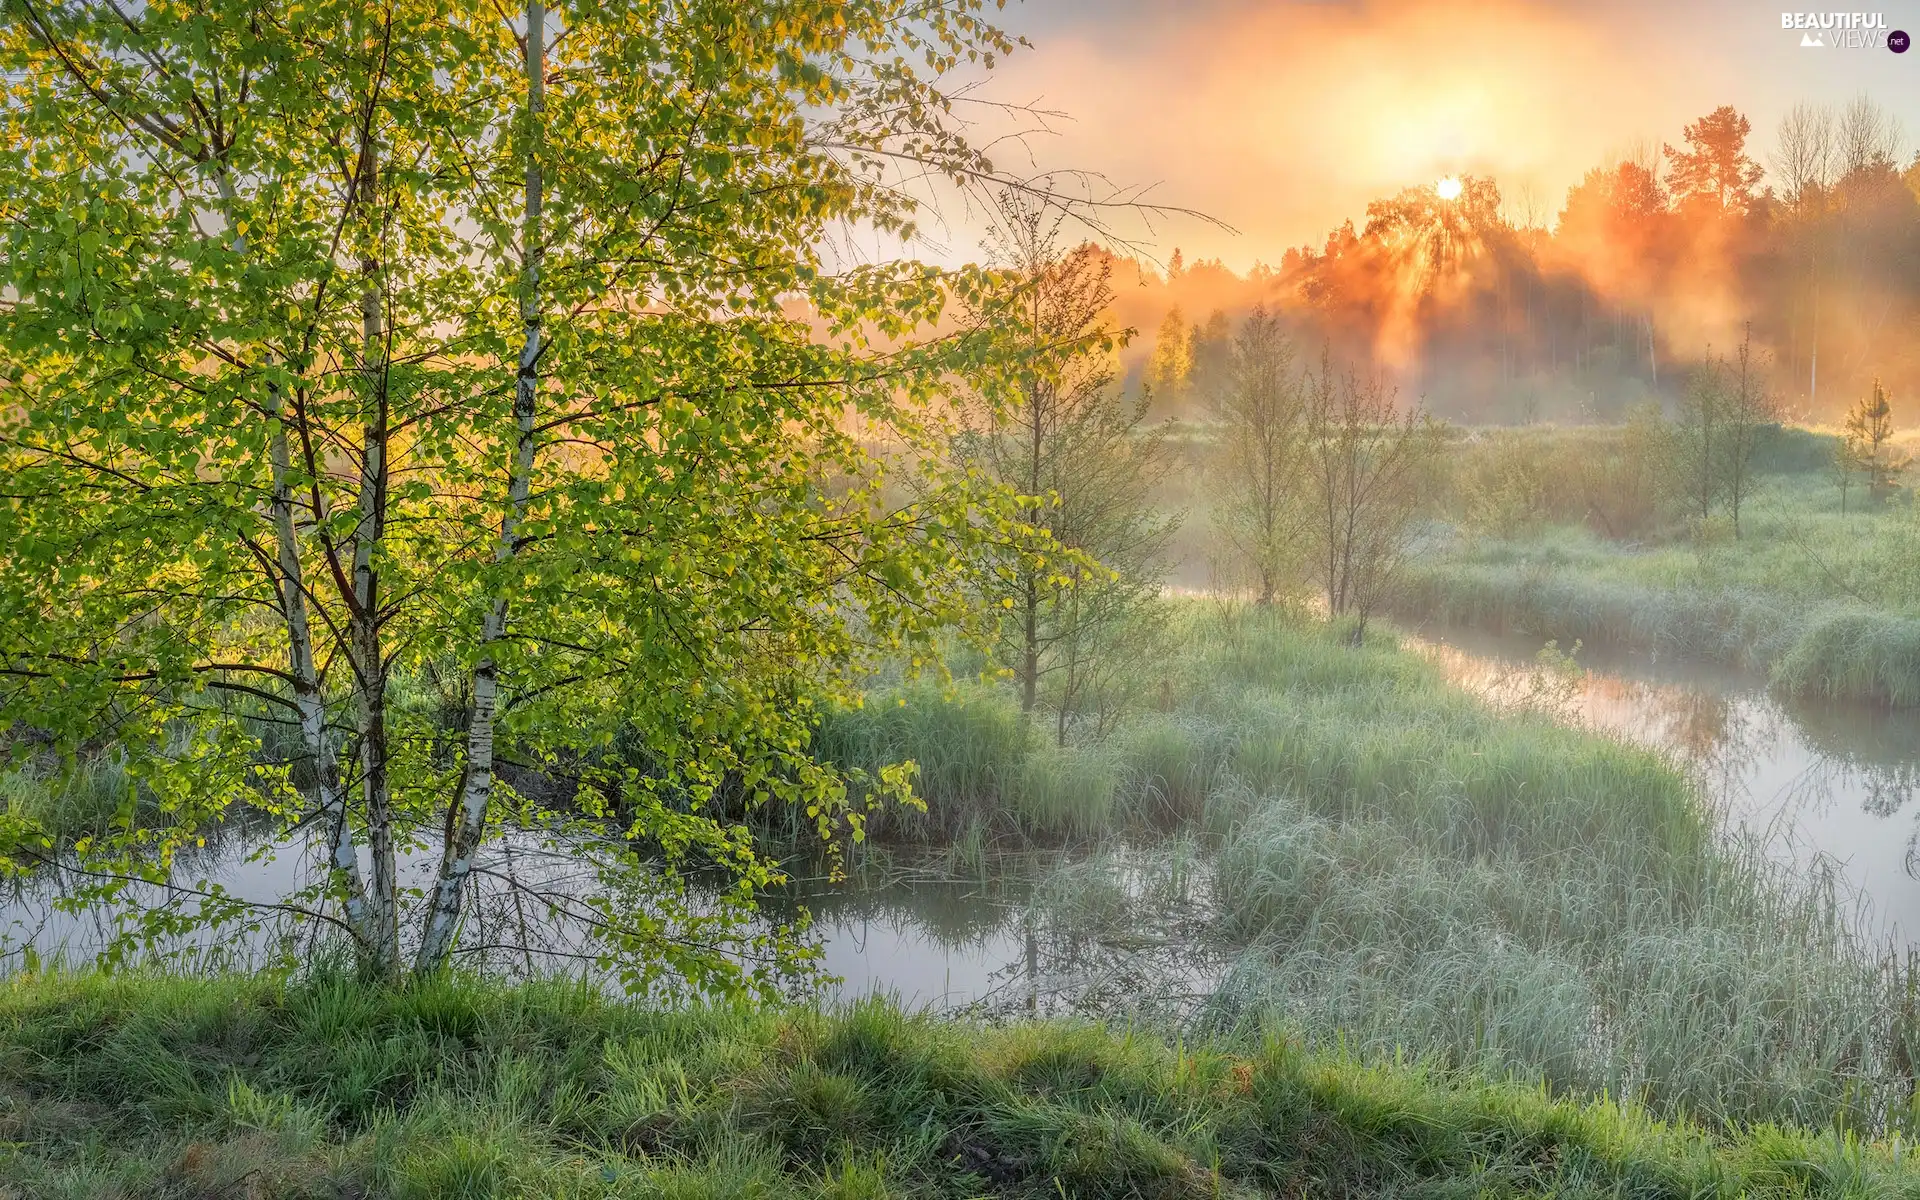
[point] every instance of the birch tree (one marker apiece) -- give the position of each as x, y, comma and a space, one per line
346, 344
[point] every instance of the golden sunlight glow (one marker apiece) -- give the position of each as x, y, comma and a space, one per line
1448, 188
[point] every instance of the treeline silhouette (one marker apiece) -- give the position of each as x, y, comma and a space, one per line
1492, 309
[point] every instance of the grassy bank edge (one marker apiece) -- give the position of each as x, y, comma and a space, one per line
145, 1085
1835, 650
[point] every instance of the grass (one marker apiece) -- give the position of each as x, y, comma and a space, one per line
989, 778
89, 798
1266, 706
1715, 995
1855, 655
1394, 866
155, 1087
1393, 869
1410, 869
1826, 602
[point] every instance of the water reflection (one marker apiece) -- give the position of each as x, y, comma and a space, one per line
1120, 932
1126, 931
1808, 778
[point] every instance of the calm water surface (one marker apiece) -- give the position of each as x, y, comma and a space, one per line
1128, 930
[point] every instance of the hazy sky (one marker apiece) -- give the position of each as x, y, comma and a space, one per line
1282, 119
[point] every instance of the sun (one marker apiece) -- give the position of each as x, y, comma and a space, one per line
1448, 188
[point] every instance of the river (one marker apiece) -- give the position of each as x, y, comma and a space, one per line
1810, 779
1127, 928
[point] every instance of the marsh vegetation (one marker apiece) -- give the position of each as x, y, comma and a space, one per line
525, 672
1816, 594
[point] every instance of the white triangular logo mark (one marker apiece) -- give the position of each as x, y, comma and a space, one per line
1811, 39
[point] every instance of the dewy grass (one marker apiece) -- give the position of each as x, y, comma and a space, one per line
1856, 655
1401, 869
140, 1086
1416, 872
1723, 992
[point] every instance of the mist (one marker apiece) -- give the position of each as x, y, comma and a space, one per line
1491, 310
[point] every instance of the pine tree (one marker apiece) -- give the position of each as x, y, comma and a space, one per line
1869, 431
1715, 166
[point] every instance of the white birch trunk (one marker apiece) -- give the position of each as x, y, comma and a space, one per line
467, 823
342, 856
370, 668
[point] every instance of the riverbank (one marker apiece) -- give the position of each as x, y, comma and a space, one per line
1819, 601
140, 1086
1392, 864
1337, 846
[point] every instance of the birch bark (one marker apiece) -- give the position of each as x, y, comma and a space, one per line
342, 855
467, 823
370, 671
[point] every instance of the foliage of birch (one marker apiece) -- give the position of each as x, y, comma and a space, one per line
347, 345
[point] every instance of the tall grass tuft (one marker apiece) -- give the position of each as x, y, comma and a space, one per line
983, 770
1856, 656
969, 744
86, 799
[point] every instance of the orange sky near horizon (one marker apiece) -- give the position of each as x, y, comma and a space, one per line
1283, 119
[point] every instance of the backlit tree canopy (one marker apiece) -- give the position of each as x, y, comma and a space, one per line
399, 393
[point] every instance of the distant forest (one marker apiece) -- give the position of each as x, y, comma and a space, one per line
1493, 310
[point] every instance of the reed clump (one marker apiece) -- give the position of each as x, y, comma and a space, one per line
87, 797
1820, 597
